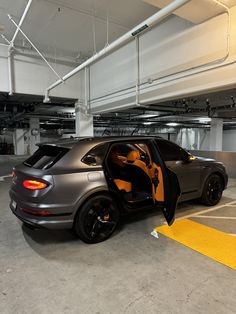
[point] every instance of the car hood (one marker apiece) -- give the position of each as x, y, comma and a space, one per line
205, 159
209, 160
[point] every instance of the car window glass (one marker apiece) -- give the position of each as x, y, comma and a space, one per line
95, 156
45, 157
170, 151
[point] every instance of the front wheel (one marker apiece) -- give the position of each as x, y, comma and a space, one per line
212, 191
97, 219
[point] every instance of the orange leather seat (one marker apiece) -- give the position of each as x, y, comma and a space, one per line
133, 157
123, 185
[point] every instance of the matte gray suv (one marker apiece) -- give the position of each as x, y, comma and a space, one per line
87, 183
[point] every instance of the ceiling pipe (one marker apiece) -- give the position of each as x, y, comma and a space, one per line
21, 20
10, 50
41, 55
147, 24
10, 70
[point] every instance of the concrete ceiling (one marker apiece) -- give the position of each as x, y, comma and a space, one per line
65, 27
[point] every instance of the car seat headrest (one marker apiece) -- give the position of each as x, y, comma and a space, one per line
132, 156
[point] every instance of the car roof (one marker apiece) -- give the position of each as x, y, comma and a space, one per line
92, 141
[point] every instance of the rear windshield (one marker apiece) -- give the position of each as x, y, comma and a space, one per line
46, 156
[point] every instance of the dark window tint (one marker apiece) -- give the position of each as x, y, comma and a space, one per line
123, 149
95, 156
170, 151
45, 157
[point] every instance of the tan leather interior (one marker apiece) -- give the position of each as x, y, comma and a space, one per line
133, 157
153, 171
123, 185
158, 193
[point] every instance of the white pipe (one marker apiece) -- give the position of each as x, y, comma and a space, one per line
21, 20
10, 72
86, 89
202, 68
148, 23
5, 45
41, 55
138, 70
6, 40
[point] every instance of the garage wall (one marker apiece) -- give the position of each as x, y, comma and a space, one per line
229, 140
192, 139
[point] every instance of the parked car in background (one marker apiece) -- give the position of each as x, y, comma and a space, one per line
87, 183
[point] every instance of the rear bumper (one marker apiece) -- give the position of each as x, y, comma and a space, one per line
49, 222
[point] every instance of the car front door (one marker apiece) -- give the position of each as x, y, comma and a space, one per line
188, 171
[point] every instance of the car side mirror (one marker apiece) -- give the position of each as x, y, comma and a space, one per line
189, 158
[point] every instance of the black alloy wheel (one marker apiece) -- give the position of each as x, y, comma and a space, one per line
212, 191
97, 219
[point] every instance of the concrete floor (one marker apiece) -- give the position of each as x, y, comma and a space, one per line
133, 272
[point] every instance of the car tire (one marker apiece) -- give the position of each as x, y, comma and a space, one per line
97, 219
212, 190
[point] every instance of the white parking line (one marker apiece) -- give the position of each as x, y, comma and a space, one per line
215, 217
2, 178
206, 211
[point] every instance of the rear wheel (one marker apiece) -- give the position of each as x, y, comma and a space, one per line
212, 191
97, 219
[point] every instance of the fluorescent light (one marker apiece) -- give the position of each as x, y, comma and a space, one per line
146, 115
147, 123
172, 124
204, 119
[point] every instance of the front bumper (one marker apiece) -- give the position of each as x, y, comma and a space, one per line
49, 222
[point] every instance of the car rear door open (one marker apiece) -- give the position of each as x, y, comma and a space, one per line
165, 185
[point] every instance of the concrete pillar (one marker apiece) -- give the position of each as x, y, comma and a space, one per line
19, 142
197, 139
216, 134
83, 122
34, 135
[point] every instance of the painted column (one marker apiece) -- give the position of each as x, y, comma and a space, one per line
19, 142
34, 135
83, 121
216, 134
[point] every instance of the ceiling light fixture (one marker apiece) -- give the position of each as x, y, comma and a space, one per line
172, 124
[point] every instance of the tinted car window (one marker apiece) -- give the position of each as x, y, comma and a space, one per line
45, 157
170, 151
95, 156
123, 148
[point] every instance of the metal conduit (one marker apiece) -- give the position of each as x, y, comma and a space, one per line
148, 23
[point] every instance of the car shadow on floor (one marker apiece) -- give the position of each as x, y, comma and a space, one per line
50, 243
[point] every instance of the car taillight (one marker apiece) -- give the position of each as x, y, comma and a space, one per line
37, 213
34, 185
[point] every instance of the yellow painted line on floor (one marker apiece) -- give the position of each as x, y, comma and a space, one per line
210, 242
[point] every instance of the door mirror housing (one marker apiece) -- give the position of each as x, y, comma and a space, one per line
188, 157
